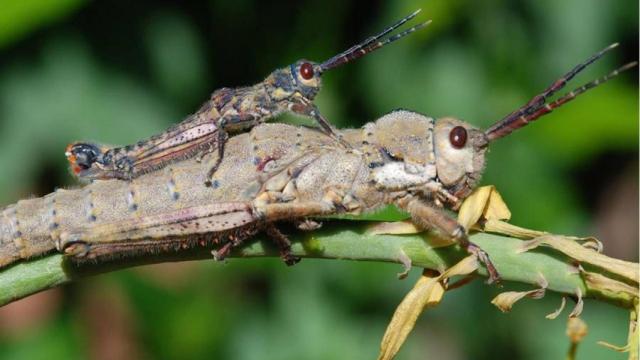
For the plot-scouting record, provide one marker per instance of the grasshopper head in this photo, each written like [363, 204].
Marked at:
[306, 77]
[421, 152]
[459, 150]
[298, 82]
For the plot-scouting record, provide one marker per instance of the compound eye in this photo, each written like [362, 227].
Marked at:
[306, 71]
[458, 137]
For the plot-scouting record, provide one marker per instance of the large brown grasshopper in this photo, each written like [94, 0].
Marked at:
[289, 89]
[274, 173]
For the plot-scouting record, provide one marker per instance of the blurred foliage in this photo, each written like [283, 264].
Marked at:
[118, 71]
[19, 18]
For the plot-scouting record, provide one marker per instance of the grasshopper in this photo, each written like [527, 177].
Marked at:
[413, 161]
[289, 89]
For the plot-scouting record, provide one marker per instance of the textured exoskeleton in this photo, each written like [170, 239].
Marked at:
[289, 89]
[404, 158]
[274, 173]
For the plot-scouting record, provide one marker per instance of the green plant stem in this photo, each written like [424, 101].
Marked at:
[337, 240]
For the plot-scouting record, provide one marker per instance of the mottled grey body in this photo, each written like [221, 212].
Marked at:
[275, 172]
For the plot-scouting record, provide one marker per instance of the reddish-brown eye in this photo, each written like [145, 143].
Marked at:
[306, 71]
[458, 137]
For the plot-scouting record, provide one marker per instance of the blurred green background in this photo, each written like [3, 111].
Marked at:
[117, 71]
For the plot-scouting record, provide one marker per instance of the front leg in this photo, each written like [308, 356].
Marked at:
[310, 110]
[429, 217]
[443, 196]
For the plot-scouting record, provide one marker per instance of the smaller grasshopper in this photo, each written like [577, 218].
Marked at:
[289, 89]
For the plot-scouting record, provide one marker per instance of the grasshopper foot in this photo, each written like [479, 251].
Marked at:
[430, 217]
[284, 245]
[494, 275]
[289, 259]
[483, 257]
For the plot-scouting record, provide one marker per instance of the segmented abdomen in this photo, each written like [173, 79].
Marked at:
[29, 228]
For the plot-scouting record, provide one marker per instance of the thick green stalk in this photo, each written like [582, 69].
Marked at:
[338, 240]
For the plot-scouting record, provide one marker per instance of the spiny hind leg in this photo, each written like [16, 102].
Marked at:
[429, 217]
